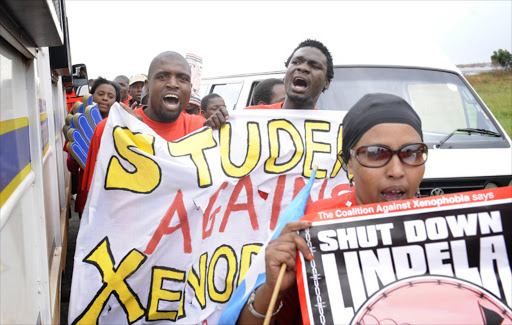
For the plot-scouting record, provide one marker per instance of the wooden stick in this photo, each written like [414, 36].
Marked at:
[272, 304]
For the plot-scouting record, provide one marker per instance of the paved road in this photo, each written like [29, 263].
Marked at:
[74, 223]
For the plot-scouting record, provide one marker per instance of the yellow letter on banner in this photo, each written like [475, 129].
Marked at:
[337, 166]
[228, 254]
[253, 150]
[197, 282]
[114, 281]
[274, 127]
[245, 261]
[194, 146]
[146, 175]
[312, 146]
[159, 293]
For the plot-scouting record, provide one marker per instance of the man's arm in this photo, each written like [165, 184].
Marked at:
[217, 120]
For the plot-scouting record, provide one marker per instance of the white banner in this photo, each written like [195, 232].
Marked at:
[170, 228]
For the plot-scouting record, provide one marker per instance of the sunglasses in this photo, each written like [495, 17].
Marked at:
[414, 154]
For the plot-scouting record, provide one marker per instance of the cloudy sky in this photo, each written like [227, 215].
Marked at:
[121, 37]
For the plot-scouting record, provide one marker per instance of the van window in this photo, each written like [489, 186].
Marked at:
[229, 92]
[203, 89]
[441, 99]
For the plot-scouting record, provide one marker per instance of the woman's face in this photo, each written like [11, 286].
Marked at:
[393, 181]
[104, 96]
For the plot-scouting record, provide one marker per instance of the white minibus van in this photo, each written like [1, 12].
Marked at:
[469, 150]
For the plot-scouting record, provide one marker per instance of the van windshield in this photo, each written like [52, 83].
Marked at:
[442, 100]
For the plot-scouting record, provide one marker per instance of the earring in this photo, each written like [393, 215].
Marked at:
[418, 193]
[348, 200]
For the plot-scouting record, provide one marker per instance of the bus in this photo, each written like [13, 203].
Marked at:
[35, 188]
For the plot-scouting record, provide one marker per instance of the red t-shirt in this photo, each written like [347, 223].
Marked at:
[271, 106]
[183, 125]
[127, 101]
[71, 99]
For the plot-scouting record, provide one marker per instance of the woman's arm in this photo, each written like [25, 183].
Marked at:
[281, 250]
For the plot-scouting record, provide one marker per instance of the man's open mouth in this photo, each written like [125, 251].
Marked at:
[299, 84]
[171, 100]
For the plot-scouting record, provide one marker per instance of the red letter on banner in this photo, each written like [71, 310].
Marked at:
[177, 206]
[249, 206]
[276, 204]
[211, 218]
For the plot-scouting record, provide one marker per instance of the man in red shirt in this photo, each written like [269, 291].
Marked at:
[309, 73]
[169, 93]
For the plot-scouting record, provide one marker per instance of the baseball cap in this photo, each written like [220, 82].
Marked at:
[137, 78]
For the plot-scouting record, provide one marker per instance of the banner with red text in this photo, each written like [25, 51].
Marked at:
[170, 228]
[436, 260]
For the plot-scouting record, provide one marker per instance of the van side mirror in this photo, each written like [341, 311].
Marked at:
[80, 79]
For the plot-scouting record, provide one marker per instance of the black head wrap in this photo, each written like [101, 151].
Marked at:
[373, 109]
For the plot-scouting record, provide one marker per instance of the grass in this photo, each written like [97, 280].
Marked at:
[495, 89]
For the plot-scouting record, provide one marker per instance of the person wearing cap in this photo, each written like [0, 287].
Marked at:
[384, 157]
[136, 85]
[194, 105]
[309, 73]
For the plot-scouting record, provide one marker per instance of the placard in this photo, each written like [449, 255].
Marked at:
[436, 260]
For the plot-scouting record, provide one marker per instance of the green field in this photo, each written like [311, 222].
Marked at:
[495, 89]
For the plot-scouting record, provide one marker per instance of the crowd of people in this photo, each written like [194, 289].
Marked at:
[383, 153]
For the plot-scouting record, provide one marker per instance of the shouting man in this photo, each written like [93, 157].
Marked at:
[309, 73]
[169, 93]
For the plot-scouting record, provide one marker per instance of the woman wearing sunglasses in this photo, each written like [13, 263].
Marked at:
[384, 157]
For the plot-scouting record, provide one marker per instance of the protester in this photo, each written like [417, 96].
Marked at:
[169, 93]
[309, 73]
[71, 97]
[194, 105]
[123, 83]
[269, 91]
[212, 103]
[383, 156]
[135, 88]
[104, 93]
